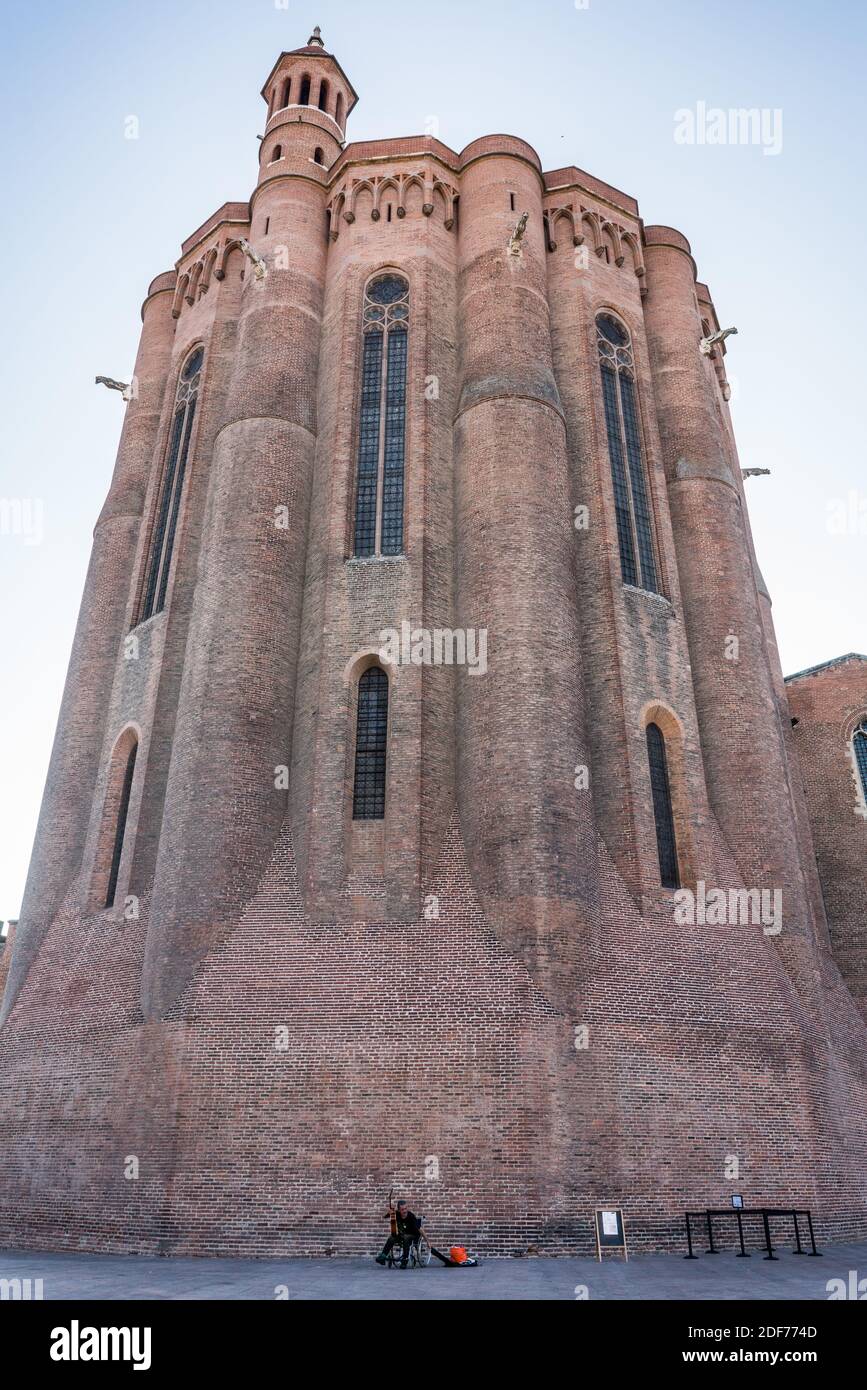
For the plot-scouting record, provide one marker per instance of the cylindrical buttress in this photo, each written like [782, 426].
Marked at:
[67, 800]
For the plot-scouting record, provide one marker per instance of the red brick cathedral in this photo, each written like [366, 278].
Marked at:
[427, 809]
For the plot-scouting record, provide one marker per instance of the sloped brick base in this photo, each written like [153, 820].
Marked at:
[309, 1068]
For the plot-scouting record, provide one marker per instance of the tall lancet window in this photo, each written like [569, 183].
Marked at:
[171, 489]
[859, 744]
[631, 503]
[120, 825]
[662, 813]
[371, 735]
[382, 422]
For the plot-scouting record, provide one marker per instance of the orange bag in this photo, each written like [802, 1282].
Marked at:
[458, 1254]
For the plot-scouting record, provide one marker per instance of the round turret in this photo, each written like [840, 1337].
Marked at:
[309, 98]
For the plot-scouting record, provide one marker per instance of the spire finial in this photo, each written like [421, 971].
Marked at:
[315, 40]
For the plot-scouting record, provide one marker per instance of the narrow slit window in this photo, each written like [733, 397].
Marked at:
[120, 827]
[165, 521]
[371, 735]
[379, 493]
[628, 475]
[662, 813]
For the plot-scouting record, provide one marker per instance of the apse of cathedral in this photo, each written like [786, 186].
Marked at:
[425, 751]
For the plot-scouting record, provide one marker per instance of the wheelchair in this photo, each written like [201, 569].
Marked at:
[419, 1253]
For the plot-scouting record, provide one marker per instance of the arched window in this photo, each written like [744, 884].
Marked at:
[371, 733]
[169, 500]
[318, 156]
[120, 825]
[632, 508]
[859, 745]
[304, 98]
[277, 153]
[287, 88]
[382, 426]
[338, 110]
[661, 791]
[323, 96]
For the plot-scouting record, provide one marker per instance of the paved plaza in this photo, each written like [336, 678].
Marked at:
[82, 1276]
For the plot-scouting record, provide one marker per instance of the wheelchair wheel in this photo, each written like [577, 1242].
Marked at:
[422, 1253]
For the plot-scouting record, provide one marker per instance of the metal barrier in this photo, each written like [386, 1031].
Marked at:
[765, 1213]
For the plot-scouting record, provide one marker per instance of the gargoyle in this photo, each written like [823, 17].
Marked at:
[518, 235]
[707, 345]
[260, 270]
[124, 387]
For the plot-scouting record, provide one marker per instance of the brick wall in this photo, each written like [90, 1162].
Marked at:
[403, 1043]
[275, 1034]
[828, 704]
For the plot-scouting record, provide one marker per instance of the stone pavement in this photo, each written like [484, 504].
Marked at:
[82, 1276]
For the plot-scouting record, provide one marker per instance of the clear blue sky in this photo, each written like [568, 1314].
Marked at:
[92, 217]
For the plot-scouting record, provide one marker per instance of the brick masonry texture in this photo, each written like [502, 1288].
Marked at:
[827, 705]
[271, 1028]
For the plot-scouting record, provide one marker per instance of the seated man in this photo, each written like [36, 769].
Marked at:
[406, 1231]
